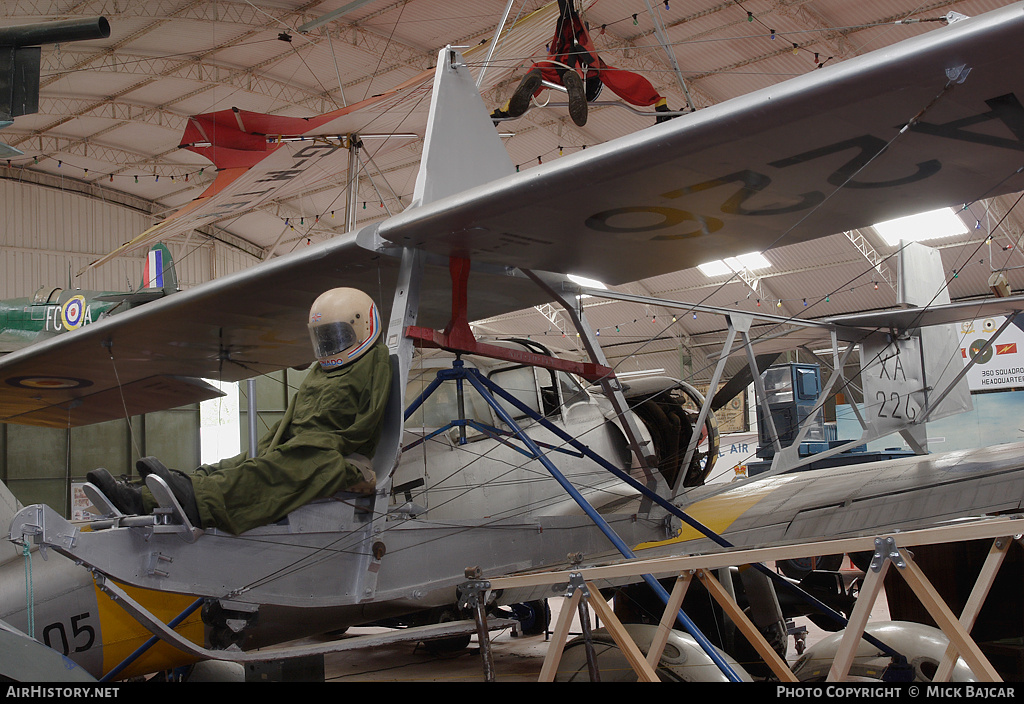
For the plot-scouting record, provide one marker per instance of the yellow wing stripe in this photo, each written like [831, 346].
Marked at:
[718, 512]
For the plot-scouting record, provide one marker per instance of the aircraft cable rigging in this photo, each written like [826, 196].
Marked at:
[951, 81]
[380, 60]
[109, 345]
[327, 551]
[874, 363]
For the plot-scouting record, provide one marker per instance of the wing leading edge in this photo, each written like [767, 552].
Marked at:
[249, 323]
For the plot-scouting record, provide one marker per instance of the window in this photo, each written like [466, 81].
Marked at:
[220, 424]
[572, 392]
[442, 406]
[521, 383]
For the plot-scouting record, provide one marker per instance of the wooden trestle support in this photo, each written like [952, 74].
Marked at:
[890, 550]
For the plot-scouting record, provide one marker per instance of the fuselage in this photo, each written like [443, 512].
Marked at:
[456, 501]
[52, 311]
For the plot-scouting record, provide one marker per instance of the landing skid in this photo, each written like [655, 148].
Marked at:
[167, 633]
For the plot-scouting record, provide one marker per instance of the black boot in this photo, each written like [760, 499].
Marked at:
[126, 498]
[520, 100]
[179, 484]
[577, 97]
[662, 118]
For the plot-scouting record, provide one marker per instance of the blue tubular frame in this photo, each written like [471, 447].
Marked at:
[689, 520]
[485, 387]
[488, 430]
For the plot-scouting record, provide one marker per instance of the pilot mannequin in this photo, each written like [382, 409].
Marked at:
[323, 444]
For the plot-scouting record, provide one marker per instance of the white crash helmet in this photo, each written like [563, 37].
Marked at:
[343, 324]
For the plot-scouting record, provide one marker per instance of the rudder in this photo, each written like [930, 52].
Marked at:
[158, 271]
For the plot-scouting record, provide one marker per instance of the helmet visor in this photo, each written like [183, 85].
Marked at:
[331, 338]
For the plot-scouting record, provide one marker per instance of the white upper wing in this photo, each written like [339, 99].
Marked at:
[880, 136]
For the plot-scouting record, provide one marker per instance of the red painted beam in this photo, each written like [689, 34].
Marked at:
[426, 337]
[458, 337]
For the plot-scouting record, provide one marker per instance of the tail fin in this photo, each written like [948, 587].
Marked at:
[906, 374]
[462, 148]
[940, 344]
[159, 269]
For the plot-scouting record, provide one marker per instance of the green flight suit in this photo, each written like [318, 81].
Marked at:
[334, 414]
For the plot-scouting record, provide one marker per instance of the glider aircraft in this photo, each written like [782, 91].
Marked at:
[931, 121]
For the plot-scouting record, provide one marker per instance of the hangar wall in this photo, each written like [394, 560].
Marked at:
[49, 234]
[50, 229]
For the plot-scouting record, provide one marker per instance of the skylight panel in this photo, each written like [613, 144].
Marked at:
[932, 225]
[585, 282]
[750, 261]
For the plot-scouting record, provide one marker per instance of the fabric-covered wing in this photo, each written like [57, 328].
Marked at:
[816, 155]
[236, 327]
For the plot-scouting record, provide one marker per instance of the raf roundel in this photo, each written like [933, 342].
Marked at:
[48, 383]
[72, 313]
